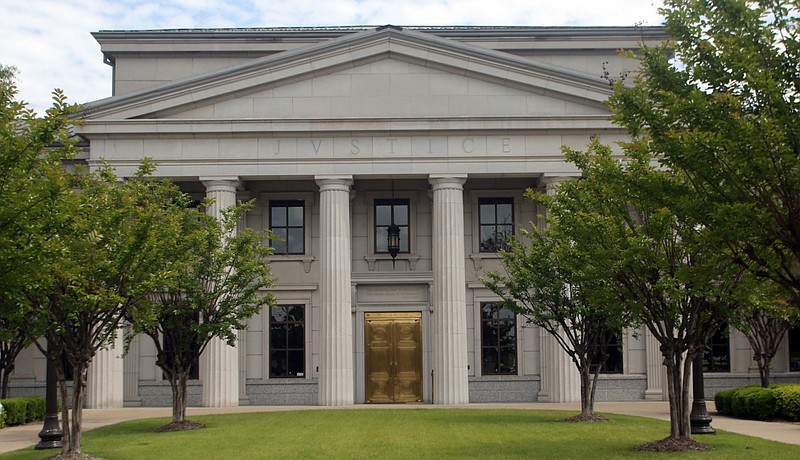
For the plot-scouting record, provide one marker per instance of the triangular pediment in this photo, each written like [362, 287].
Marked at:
[381, 73]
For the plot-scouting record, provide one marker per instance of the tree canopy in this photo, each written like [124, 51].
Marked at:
[720, 104]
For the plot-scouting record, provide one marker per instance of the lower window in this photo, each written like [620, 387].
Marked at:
[498, 340]
[717, 355]
[613, 363]
[287, 356]
[793, 337]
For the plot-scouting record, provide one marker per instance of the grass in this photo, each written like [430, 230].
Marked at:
[404, 434]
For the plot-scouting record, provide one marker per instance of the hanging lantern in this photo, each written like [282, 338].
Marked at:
[393, 240]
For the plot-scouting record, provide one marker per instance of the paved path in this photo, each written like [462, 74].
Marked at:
[18, 437]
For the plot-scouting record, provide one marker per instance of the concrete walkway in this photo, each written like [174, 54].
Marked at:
[19, 437]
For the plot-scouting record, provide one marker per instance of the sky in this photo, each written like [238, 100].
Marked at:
[50, 43]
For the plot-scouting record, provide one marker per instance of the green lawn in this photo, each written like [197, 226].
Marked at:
[404, 433]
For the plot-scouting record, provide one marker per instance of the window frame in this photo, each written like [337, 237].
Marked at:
[720, 340]
[308, 203]
[376, 228]
[616, 348]
[369, 203]
[520, 209]
[287, 204]
[287, 349]
[793, 338]
[494, 201]
[497, 346]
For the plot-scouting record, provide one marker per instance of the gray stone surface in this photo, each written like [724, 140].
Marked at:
[503, 389]
[282, 392]
[612, 387]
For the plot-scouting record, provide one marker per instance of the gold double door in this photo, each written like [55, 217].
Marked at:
[393, 357]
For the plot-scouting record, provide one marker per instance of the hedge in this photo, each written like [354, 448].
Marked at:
[19, 411]
[755, 402]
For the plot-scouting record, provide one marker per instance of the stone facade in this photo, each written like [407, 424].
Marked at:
[330, 129]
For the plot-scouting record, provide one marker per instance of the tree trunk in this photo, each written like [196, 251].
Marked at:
[6, 374]
[764, 363]
[65, 433]
[78, 395]
[178, 382]
[678, 391]
[587, 403]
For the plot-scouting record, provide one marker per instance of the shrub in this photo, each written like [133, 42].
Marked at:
[787, 398]
[760, 404]
[738, 408]
[19, 411]
[722, 400]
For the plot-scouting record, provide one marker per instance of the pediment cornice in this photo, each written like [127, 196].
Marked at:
[350, 51]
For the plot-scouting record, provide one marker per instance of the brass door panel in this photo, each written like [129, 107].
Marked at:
[393, 357]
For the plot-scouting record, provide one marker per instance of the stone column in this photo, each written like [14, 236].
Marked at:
[656, 371]
[219, 363]
[336, 370]
[131, 374]
[450, 378]
[104, 386]
[560, 379]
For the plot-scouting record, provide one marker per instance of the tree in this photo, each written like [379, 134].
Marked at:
[544, 281]
[219, 285]
[113, 243]
[31, 181]
[728, 119]
[623, 217]
[764, 320]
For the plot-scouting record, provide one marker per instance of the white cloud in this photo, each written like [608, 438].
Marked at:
[50, 43]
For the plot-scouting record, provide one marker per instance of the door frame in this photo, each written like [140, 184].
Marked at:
[360, 344]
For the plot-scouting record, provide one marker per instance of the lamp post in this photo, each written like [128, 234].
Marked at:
[699, 419]
[51, 434]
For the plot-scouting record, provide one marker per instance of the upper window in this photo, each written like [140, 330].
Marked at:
[496, 223]
[287, 341]
[794, 349]
[498, 340]
[386, 213]
[287, 222]
[717, 355]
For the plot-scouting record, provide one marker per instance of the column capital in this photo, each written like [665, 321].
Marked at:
[333, 182]
[551, 183]
[222, 184]
[447, 181]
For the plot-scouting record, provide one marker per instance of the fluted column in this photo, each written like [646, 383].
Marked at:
[219, 363]
[656, 371]
[104, 386]
[560, 379]
[131, 374]
[450, 379]
[336, 370]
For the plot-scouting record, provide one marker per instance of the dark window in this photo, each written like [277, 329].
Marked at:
[287, 357]
[66, 366]
[386, 213]
[496, 223]
[179, 334]
[717, 355]
[287, 222]
[614, 359]
[498, 340]
[794, 349]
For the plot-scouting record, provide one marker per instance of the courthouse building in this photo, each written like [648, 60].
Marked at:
[344, 136]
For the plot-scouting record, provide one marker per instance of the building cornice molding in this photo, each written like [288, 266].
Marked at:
[347, 52]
